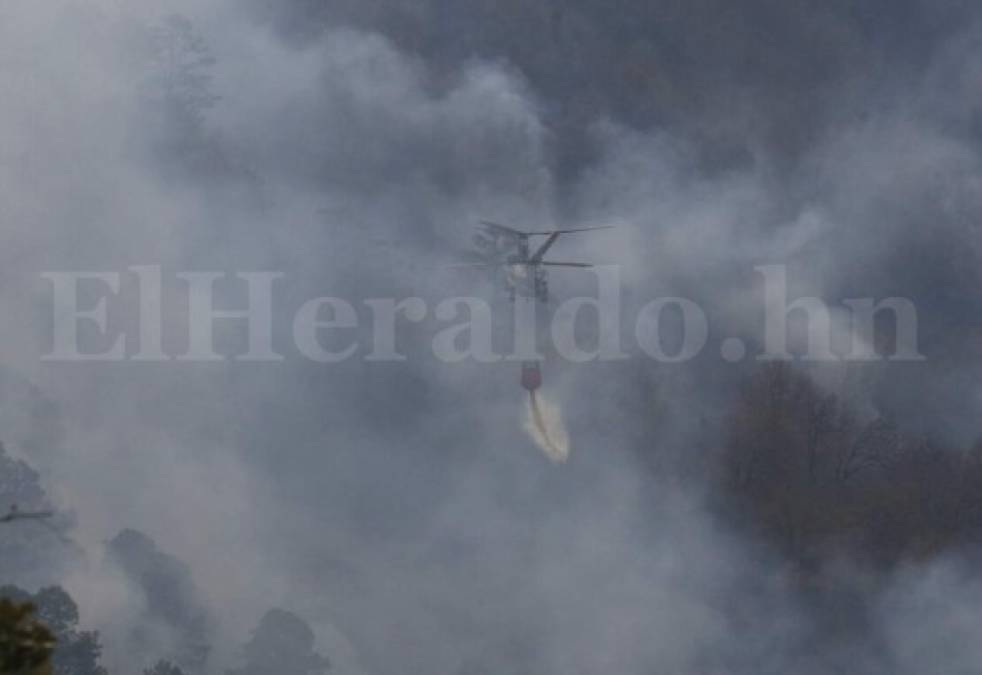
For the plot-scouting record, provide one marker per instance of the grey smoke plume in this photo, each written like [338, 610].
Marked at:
[353, 145]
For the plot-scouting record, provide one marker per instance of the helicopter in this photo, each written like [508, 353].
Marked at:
[501, 246]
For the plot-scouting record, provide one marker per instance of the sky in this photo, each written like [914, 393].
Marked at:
[352, 147]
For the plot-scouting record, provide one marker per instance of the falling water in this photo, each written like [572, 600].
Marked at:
[544, 423]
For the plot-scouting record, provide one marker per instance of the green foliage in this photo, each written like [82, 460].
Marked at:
[76, 652]
[26, 644]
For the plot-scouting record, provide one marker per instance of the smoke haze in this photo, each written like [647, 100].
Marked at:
[400, 507]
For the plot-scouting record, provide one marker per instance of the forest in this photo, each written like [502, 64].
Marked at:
[716, 515]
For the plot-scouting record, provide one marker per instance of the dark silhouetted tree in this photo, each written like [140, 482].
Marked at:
[170, 597]
[177, 94]
[32, 552]
[180, 79]
[163, 668]
[282, 644]
[802, 469]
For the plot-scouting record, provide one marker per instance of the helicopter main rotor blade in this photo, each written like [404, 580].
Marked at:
[459, 266]
[543, 233]
[546, 263]
[571, 231]
[504, 228]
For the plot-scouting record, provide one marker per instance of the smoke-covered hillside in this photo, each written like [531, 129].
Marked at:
[327, 490]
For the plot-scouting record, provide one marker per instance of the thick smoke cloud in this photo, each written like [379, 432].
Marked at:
[399, 507]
